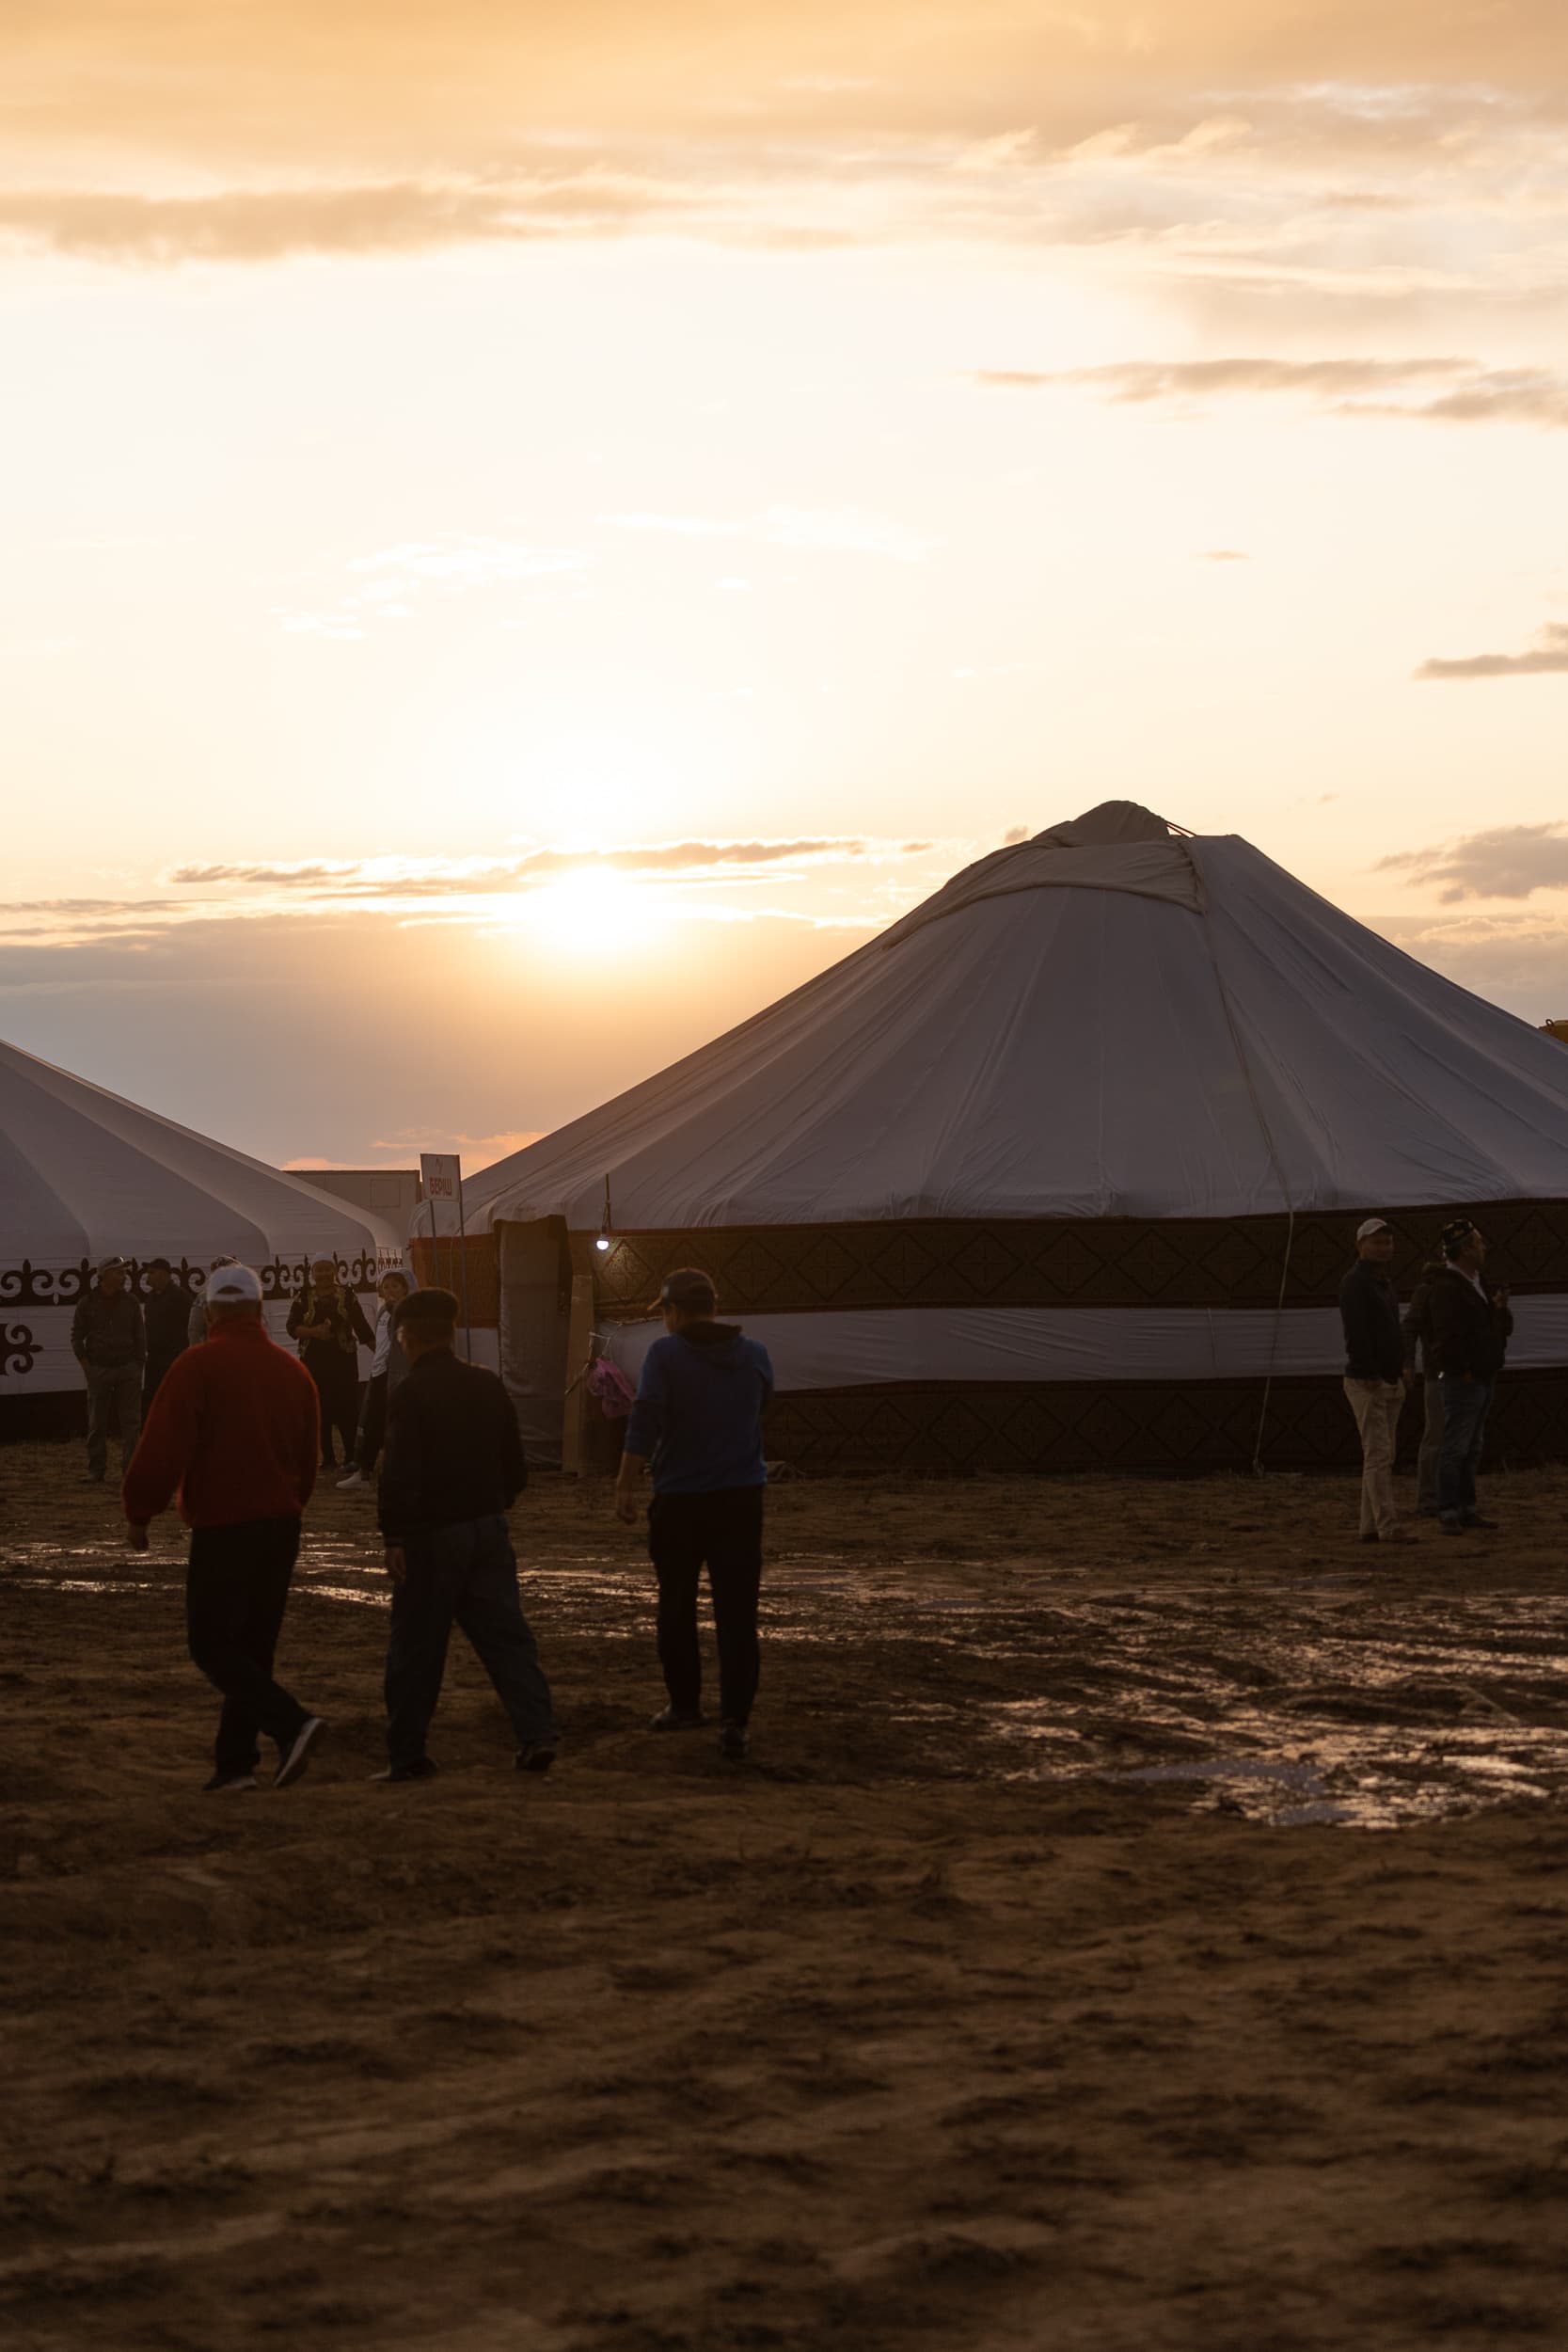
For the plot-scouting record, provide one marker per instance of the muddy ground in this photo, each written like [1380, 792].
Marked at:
[1140, 1926]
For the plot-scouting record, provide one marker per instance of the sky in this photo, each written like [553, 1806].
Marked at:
[532, 531]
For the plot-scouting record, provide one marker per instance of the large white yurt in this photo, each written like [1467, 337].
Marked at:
[1061, 1170]
[86, 1175]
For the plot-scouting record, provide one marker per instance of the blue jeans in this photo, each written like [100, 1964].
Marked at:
[467, 1575]
[1464, 1408]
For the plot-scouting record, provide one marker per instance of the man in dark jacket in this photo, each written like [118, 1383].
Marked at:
[1375, 1375]
[1418, 1365]
[698, 1422]
[452, 1467]
[329, 1324]
[167, 1315]
[108, 1339]
[1470, 1326]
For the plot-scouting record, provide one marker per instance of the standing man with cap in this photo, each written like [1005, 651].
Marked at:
[452, 1467]
[1470, 1326]
[233, 1432]
[108, 1339]
[1375, 1375]
[167, 1314]
[698, 1421]
[329, 1324]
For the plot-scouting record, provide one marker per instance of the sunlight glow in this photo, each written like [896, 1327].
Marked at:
[598, 913]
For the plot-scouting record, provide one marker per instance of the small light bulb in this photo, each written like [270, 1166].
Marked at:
[603, 1242]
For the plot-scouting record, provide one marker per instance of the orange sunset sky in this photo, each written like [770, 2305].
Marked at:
[531, 529]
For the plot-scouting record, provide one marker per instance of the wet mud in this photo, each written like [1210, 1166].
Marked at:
[1140, 1925]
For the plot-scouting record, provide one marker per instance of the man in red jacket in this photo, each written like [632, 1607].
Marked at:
[234, 1427]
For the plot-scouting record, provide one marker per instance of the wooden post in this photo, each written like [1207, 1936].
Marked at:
[579, 1339]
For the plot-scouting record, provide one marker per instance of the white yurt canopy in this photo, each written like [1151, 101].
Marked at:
[1111, 1020]
[86, 1175]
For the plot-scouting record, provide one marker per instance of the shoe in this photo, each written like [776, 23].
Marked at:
[92, 1478]
[1397, 1536]
[1476, 1519]
[422, 1769]
[1371, 1537]
[679, 1719]
[1451, 1527]
[536, 1757]
[355, 1478]
[733, 1741]
[227, 1784]
[291, 1765]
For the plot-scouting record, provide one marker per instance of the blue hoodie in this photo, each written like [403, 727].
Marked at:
[699, 1410]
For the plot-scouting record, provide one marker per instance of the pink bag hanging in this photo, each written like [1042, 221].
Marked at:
[608, 1383]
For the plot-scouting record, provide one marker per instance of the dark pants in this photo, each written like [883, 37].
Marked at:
[372, 1423]
[114, 1397]
[236, 1591]
[1464, 1409]
[464, 1574]
[152, 1381]
[723, 1532]
[337, 1378]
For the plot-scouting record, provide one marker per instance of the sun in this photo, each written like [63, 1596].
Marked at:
[592, 912]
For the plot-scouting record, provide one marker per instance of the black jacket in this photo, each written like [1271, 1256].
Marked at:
[1469, 1333]
[167, 1316]
[1369, 1310]
[108, 1333]
[454, 1451]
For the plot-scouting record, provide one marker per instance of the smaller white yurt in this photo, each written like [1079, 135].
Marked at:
[86, 1175]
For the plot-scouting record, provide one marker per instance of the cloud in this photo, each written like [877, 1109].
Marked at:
[390, 581]
[1506, 862]
[1429, 390]
[838, 529]
[398, 877]
[1223, 555]
[1546, 657]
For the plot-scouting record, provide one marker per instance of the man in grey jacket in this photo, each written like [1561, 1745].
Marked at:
[108, 1339]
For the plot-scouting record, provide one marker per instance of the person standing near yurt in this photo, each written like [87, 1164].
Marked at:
[1417, 1343]
[108, 1339]
[388, 1366]
[232, 1434]
[167, 1316]
[698, 1422]
[329, 1324]
[1470, 1331]
[1375, 1375]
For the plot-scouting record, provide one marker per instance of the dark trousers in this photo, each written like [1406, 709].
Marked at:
[114, 1395]
[1464, 1408]
[723, 1532]
[465, 1575]
[152, 1379]
[372, 1423]
[236, 1591]
[337, 1379]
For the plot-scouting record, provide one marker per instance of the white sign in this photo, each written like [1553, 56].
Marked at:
[441, 1177]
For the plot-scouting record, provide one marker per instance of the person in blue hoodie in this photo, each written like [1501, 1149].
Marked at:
[697, 1422]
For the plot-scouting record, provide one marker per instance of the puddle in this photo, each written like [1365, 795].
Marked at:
[1294, 1702]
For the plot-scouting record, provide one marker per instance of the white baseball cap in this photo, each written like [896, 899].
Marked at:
[1372, 1225]
[234, 1282]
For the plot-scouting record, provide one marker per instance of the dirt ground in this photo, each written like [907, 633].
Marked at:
[1140, 1926]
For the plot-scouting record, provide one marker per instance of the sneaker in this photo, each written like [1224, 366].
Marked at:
[1370, 1536]
[421, 1769]
[733, 1741]
[1477, 1520]
[537, 1756]
[355, 1478]
[1450, 1527]
[227, 1784]
[291, 1765]
[679, 1719]
[1397, 1536]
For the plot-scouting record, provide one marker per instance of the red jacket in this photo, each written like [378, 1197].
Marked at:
[235, 1426]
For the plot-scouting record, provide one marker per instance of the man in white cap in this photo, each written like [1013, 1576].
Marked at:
[234, 1432]
[1375, 1375]
[108, 1339]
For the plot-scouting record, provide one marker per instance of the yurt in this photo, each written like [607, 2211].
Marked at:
[1061, 1170]
[86, 1175]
